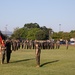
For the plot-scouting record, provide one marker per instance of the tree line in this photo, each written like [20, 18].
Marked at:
[33, 31]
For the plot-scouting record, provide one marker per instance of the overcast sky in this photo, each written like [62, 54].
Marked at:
[55, 14]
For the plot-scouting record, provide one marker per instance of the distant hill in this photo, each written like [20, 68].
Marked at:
[8, 33]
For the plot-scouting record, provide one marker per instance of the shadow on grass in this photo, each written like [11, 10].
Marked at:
[22, 60]
[48, 63]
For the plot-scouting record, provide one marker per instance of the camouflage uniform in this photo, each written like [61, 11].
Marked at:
[37, 52]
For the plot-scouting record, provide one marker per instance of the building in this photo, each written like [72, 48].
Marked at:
[8, 33]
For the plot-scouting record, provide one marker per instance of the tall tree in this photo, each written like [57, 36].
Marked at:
[32, 31]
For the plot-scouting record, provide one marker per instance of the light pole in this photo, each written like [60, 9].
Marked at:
[59, 27]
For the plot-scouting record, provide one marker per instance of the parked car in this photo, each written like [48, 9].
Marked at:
[62, 42]
[72, 42]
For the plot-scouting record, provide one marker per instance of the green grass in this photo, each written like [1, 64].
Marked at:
[53, 62]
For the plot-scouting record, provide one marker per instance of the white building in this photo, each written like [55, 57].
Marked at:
[8, 33]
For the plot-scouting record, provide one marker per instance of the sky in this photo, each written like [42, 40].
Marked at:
[56, 14]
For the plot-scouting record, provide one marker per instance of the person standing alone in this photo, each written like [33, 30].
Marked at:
[37, 53]
[67, 44]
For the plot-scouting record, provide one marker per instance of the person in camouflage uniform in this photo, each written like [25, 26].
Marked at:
[37, 52]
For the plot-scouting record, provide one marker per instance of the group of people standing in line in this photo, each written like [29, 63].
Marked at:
[30, 44]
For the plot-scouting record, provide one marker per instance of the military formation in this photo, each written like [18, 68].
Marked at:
[30, 44]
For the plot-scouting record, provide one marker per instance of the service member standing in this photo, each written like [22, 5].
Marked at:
[8, 50]
[67, 44]
[37, 53]
[57, 44]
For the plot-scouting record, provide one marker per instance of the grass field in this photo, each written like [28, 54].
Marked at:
[53, 62]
